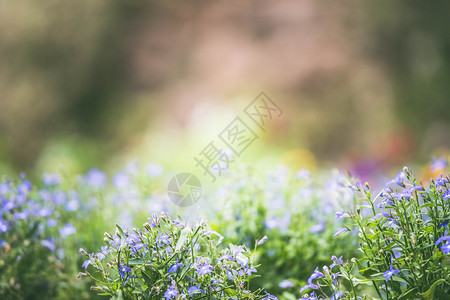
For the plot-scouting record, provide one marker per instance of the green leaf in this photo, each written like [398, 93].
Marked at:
[429, 295]
[183, 237]
[406, 294]
[120, 230]
[136, 261]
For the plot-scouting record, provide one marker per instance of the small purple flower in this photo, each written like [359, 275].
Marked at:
[239, 249]
[317, 274]
[414, 187]
[334, 277]
[263, 240]
[444, 224]
[67, 230]
[317, 228]
[194, 290]
[226, 256]
[95, 178]
[123, 270]
[405, 195]
[51, 179]
[154, 170]
[340, 230]
[440, 181]
[5, 187]
[399, 178]
[51, 223]
[174, 267]
[204, 269]
[24, 188]
[446, 195]
[390, 272]
[121, 180]
[342, 214]
[269, 297]
[23, 215]
[285, 284]
[438, 164]
[48, 244]
[248, 271]
[171, 292]
[336, 261]
[44, 212]
[89, 261]
[445, 247]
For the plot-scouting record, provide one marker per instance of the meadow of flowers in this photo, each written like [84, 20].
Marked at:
[280, 235]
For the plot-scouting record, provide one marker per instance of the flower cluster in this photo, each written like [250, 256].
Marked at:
[296, 211]
[172, 260]
[33, 225]
[403, 236]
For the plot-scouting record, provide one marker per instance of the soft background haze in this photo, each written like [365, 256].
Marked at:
[364, 85]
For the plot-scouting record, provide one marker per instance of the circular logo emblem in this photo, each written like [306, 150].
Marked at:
[184, 189]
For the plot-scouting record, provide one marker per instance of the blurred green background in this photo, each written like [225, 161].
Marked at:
[364, 85]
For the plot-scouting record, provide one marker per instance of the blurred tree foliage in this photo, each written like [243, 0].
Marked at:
[412, 40]
[62, 67]
[65, 70]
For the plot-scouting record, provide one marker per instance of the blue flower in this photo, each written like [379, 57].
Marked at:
[438, 164]
[171, 292]
[444, 224]
[121, 180]
[23, 215]
[51, 179]
[440, 181]
[226, 256]
[390, 272]
[268, 296]
[239, 249]
[95, 178]
[5, 187]
[312, 296]
[24, 188]
[123, 270]
[334, 277]
[445, 248]
[154, 170]
[415, 188]
[317, 274]
[67, 230]
[342, 214]
[285, 284]
[400, 196]
[317, 228]
[336, 261]
[399, 178]
[88, 262]
[340, 230]
[48, 244]
[174, 267]
[194, 290]
[204, 269]
[263, 240]
[247, 271]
